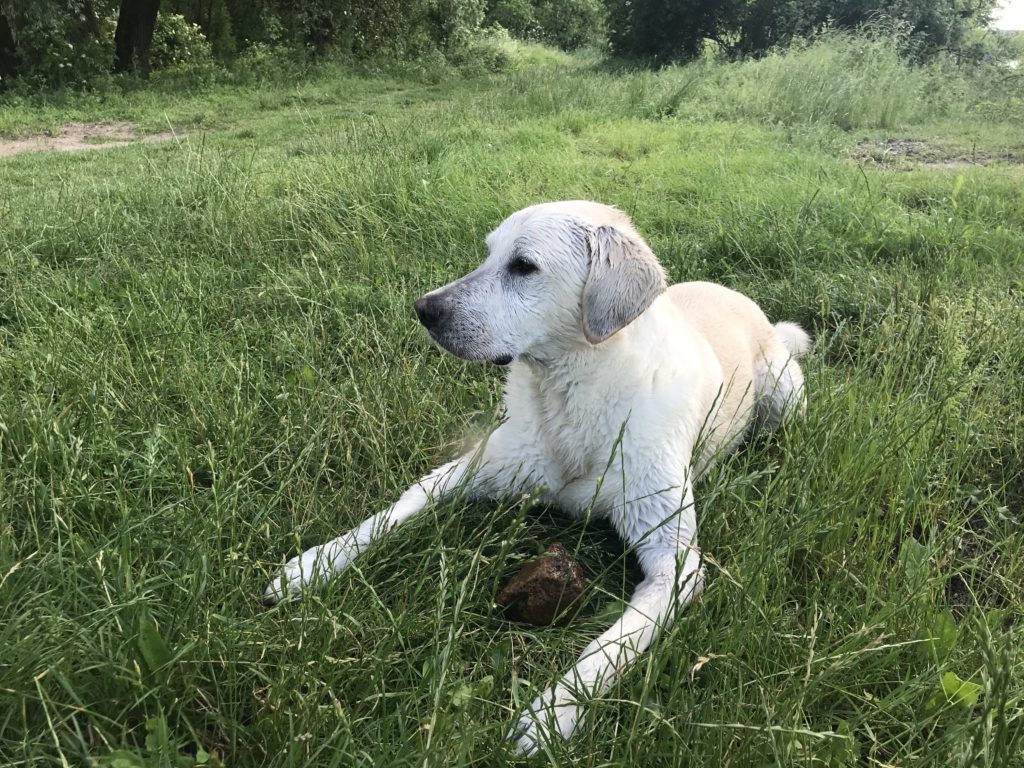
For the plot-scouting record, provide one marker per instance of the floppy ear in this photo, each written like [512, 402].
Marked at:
[625, 278]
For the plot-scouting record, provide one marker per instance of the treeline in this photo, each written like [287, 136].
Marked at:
[56, 43]
[671, 30]
[72, 42]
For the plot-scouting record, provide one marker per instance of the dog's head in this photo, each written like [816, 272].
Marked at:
[557, 276]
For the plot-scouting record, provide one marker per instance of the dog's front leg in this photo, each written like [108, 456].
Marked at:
[673, 577]
[317, 565]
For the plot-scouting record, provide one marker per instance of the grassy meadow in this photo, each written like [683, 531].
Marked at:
[209, 361]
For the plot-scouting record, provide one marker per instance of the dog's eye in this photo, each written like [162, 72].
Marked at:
[521, 267]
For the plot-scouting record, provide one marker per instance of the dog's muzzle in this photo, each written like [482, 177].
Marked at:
[437, 316]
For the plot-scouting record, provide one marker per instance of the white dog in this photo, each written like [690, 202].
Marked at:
[620, 392]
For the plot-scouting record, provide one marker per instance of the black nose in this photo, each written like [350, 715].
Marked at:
[430, 311]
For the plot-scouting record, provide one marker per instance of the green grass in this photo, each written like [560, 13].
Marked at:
[208, 361]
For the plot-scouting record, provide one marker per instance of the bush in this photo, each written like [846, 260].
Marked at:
[176, 43]
[395, 28]
[61, 44]
[489, 51]
[570, 24]
[662, 31]
[454, 22]
[268, 63]
[515, 16]
[565, 24]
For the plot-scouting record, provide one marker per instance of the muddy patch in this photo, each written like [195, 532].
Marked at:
[909, 154]
[80, 137]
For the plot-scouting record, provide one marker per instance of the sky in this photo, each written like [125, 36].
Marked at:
[1009, 15]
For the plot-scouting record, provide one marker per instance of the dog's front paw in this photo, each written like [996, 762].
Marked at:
[287, 584]
[312, 567]
[554, 714]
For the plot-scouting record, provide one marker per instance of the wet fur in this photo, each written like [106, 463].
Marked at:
[621, 391]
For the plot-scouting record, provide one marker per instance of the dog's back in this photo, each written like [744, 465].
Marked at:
[750, 350]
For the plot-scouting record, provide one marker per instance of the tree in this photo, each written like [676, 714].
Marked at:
[673, 30]
[662, 31]
[934, 24]
[214, 18]
[52, 43]
[133, 37]
[567, 24]
[8, 50]
[764, 24]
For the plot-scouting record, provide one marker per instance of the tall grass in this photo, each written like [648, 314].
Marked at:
[850, 80]
[839, 79]
[846, 80]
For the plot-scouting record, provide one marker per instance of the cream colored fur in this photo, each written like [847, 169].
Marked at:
[620, 393]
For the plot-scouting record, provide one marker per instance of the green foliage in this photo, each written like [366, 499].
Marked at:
[215, 20]
[454, 22]
[161, 750]
[515, 16]
[1013, 43]
[489, 51]
[940, 637]
[61, 43]
[176, 43]
[268, 63]
[666, 30]
[569, 24]
[565, 24]
[1002, 109]
[154, 652]
[68, 42]
[399, 28]
[494, 50]
[676, 30]
[850, 80]
[960, 693]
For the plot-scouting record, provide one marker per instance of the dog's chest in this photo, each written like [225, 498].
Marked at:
[575, 437]
[579, 432]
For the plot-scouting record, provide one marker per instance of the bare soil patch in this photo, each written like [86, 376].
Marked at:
[79, 137]
[908, 154]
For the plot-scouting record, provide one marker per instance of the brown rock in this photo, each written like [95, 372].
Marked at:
[546, 589]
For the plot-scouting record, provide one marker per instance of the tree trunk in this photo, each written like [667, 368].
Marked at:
[8, 51]
[144, 33]
[124, 50]
[133, 37]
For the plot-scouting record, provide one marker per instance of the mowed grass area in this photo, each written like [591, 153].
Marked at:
[209, 361]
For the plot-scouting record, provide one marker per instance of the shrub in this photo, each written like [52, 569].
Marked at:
[395, 28]
[454, 22]
[570, 24]
[515, 16]
[268, 63]
[662, 31]
[489, 51]
[566, 24]
[177, 43]
[61, 44]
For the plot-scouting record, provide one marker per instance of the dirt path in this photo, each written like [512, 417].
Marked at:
[79, 137]
[908, 154]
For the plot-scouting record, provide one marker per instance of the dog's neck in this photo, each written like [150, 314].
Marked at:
[574, 361]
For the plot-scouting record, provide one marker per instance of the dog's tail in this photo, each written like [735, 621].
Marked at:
[793, 338]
